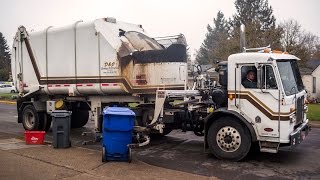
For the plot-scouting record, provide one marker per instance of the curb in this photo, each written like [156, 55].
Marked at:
[314, 124]
[8, 102]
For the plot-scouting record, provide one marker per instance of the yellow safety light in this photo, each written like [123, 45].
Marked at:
[277, 52]
[267, 50]
[59, 104]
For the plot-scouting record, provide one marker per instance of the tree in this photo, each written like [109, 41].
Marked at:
[204, 54]
[296, 41]
[291, 33]
[316, 54]
[257, 16]
[4, 59]
[223, 38]
[212, 48]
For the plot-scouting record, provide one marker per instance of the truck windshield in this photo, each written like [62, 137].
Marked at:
[290, 76]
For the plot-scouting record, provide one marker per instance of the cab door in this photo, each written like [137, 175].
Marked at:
[260, 102]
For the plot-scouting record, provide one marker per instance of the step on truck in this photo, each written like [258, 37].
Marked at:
[87, 66]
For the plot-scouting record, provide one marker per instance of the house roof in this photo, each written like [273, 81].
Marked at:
[316, 68]
[305, 71]
[311, 66]
[313, 63]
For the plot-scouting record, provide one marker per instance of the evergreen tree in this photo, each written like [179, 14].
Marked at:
[257, 16]
[212, 48]
[204, 54]
[4, 59]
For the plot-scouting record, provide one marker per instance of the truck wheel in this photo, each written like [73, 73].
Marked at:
[46, 121]
[229, 139]
[30, 118]
[104, 153]
[79, 118]
[129, 155]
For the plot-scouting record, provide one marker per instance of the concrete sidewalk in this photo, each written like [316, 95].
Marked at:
[20, 161]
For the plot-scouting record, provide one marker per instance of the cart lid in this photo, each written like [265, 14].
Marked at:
[118, 111]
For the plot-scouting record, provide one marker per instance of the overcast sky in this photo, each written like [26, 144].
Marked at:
[158, 17]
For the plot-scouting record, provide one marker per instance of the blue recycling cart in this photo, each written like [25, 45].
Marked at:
[117, 127]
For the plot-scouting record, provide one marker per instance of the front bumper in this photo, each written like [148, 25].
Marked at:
[299, 134]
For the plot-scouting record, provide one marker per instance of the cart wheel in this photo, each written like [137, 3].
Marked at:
[130, 155]
[104, 152]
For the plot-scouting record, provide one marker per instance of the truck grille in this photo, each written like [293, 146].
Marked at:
[299, 110]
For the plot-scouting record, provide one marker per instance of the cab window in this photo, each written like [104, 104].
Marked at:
[268, 80]
[249, 76]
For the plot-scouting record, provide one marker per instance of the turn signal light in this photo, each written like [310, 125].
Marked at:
[231, 96]
[292, 109]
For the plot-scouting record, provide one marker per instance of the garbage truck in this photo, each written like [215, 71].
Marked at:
[86, 66]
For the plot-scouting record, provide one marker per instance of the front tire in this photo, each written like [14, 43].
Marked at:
[229, 139]
[30, 118]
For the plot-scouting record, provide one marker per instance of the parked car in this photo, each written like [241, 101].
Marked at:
[6, 88]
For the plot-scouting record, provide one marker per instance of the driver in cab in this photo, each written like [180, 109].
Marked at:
[249, 81]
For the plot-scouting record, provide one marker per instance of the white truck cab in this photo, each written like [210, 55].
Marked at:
[276, 106]
[268, 108]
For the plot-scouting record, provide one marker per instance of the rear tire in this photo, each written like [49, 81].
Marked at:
[79, 118]
[229, 139]
[12, 91]
[45, 121]
[129, 155]
[30, 118]
[104, 152]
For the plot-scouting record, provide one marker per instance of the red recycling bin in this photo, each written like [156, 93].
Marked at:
[34, 137]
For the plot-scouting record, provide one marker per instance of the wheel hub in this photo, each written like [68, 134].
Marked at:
[228, 139]
[29, 117]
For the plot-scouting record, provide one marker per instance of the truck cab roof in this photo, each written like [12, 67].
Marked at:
[252, 57]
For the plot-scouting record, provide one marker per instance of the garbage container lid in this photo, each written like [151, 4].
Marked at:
[118, 111]
[61, 113]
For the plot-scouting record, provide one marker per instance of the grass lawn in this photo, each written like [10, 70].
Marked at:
[7, 96]
[313, 112]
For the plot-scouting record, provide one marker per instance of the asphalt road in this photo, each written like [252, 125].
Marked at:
[184, 152]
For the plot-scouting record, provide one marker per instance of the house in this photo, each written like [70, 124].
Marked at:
[311, 82]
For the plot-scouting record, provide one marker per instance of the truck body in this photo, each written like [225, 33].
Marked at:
[87, 66]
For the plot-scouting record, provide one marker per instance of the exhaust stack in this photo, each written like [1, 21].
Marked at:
[242, 38]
